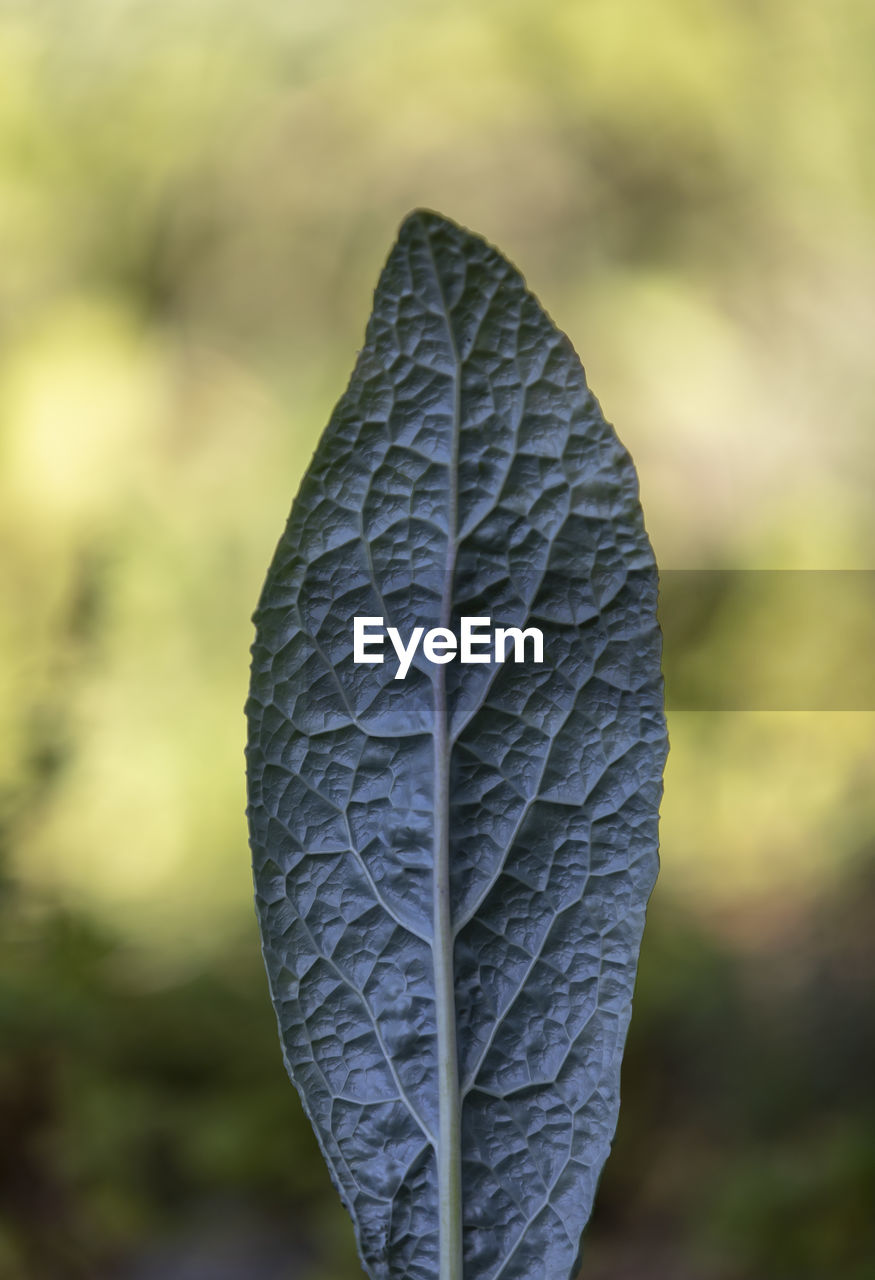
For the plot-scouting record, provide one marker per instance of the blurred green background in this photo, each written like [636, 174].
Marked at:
[196, 197]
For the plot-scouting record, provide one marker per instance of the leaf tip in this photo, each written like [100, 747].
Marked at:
[424, 222]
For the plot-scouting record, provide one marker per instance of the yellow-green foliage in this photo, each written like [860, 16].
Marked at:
[195, 197]
[193, 202]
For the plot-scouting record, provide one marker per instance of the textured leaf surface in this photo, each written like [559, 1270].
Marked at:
[452, 869]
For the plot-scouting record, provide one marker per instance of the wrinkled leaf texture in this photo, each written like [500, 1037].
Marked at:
[452, 870]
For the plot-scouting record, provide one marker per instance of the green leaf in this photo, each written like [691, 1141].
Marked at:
[452, 868]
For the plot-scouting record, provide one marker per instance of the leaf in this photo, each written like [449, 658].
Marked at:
[452, 869]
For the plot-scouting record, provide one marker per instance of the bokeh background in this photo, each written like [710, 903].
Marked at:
[196, 197]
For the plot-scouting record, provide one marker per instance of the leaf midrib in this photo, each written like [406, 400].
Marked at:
[449, 1145]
